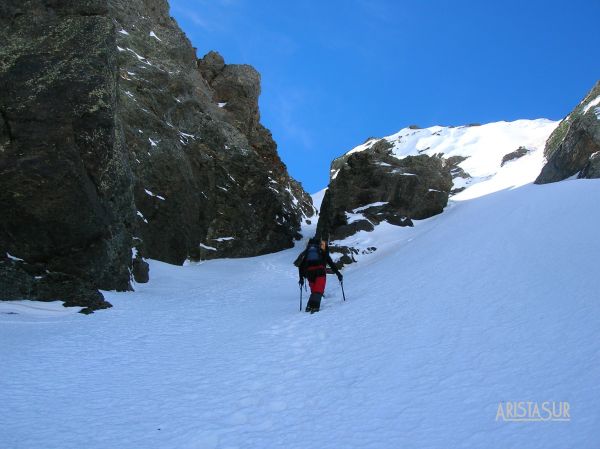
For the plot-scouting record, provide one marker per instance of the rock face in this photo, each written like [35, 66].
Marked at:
[114, 136]
[207, 178]
[592, 168]
[570, 148]
[517, 154]
[372, 186]
[65, 182]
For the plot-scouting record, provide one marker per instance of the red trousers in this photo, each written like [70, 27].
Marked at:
[318, 285]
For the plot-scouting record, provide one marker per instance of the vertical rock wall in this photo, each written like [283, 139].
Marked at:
[114, 136]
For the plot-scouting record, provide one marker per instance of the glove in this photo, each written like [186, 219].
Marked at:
[340, 277]
[301, 281]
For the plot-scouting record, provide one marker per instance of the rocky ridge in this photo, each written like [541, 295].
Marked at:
[117, 143]
[372, 186]
[574, 147]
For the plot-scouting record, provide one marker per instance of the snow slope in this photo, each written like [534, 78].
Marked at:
[494, 300]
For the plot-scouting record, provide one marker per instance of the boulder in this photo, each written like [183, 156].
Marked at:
[577, 137]
[140, 270]
[21, 280]
[513, 155]
[343, 231]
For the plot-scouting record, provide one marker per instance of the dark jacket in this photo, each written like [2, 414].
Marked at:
[315, 268]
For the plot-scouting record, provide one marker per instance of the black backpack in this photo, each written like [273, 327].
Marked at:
[313, 254]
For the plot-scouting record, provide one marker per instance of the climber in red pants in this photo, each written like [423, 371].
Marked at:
[313, 266]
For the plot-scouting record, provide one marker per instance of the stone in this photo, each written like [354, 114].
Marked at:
[573, 142]
[140, 270]
[24, 281]
[517, 154]
[343, 231]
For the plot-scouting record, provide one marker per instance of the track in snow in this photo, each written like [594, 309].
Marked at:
[494, 300]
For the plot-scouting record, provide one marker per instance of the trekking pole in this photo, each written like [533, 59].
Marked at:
[300, 297]
[343, 294]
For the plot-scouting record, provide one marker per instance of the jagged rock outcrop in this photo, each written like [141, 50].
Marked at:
[592, 168]
[456, 171]
[570, 149]
[208, 180]
[372, 185]
[113, 136]
[513, 155]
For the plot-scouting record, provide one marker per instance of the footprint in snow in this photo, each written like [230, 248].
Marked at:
[278, 406]
[238, 418]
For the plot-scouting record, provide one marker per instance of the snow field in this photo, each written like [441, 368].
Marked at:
[494, 300]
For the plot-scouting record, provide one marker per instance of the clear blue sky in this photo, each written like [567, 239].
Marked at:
[337, 72]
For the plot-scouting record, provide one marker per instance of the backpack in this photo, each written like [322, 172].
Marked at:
[313, 254]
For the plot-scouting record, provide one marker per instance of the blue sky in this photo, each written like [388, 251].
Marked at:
[337, 72]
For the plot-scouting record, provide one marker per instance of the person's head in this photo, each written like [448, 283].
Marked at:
[323, 245]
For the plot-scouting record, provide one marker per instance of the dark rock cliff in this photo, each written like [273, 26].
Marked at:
[573, 148]
[372, 186]
[66, 195]
[208, 180]
[114, 136]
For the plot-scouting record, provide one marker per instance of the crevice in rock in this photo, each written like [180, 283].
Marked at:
[7, 127]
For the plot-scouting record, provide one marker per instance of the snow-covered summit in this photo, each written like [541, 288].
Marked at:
[482, 146]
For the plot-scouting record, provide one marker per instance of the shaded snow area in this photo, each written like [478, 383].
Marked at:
[318, 199]
[494, 300]
[28, 310]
